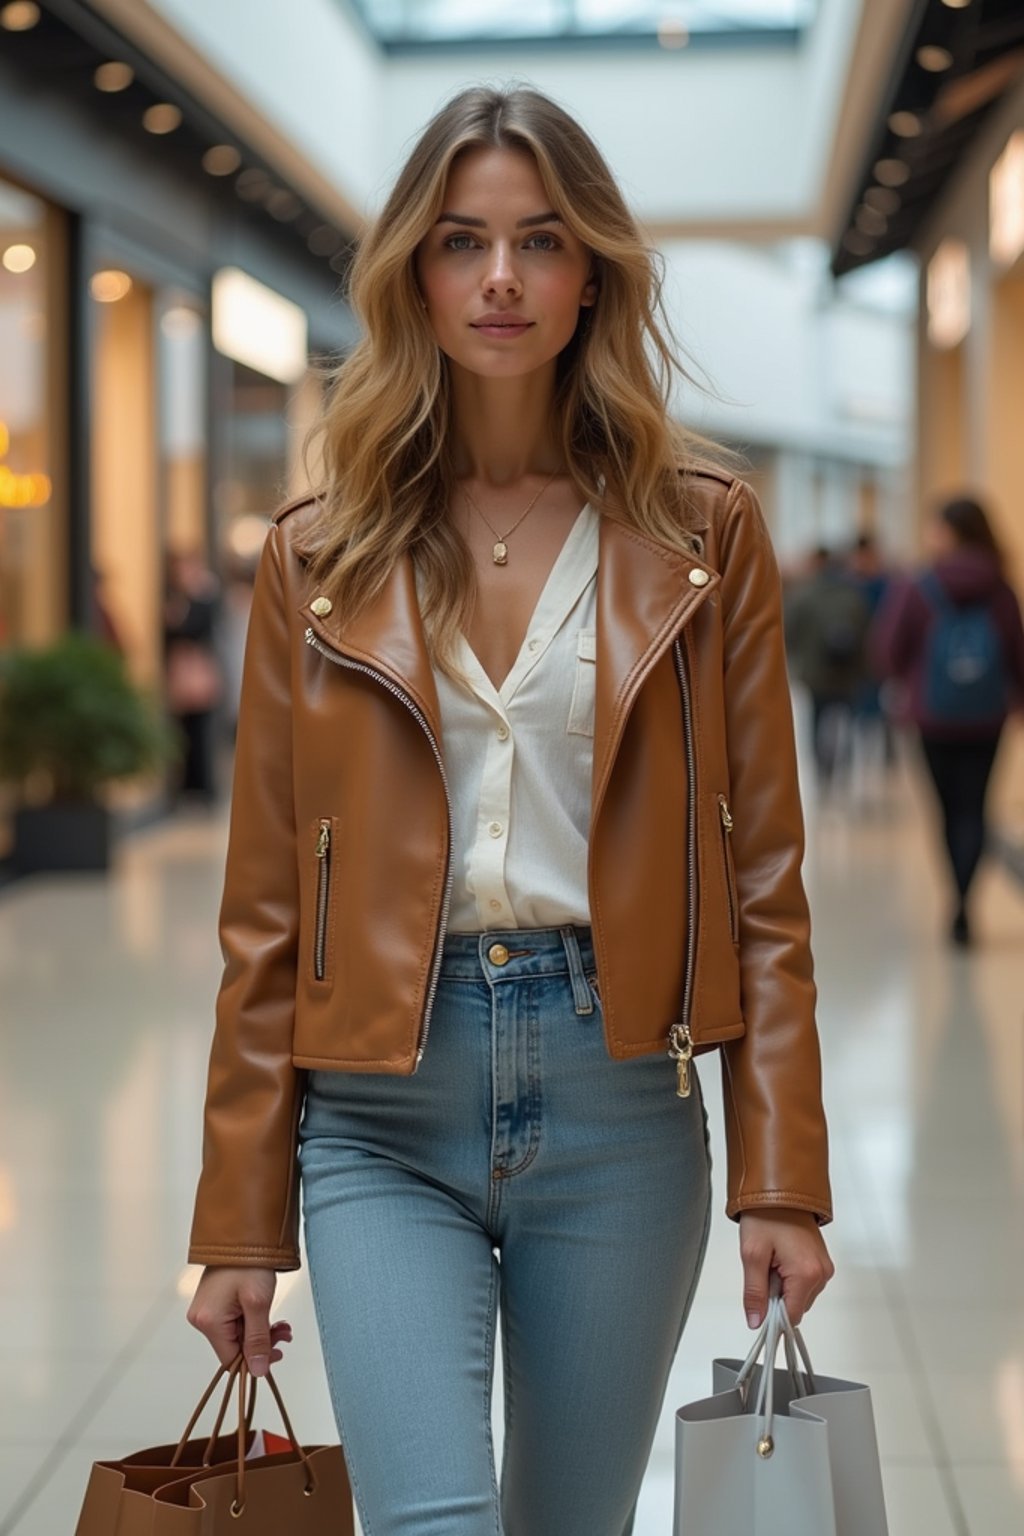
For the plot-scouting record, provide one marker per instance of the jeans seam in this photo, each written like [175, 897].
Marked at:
[354, 1481]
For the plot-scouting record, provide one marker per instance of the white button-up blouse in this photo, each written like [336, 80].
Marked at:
[519, 759]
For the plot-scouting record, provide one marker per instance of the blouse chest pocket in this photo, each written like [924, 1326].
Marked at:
[581, 706]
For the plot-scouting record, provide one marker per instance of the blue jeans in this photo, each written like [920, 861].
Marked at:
[520, 1163]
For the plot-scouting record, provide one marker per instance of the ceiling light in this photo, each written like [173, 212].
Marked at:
[933, 58]
[324, 241]
[283, 204]
[905, 125]
[892, 173]
[162, 118]
[221, 160]
[179, 321]
[19, 16]
[253, 185]
[109, 286]
[883, 198]
[113, 76]
[857, 243]
[870, 221]
[957, 5]
[19, 258]
[672, 32]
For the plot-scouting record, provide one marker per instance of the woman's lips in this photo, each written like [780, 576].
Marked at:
[504, 332]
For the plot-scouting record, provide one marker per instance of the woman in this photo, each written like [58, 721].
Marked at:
[954, 637]
[485, 896]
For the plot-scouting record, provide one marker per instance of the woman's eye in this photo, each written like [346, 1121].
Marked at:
[451, 246]
[552, 247]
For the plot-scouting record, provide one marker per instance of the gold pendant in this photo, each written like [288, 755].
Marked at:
[500, 553]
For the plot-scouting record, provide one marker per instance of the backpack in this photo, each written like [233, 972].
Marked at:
[965, 679]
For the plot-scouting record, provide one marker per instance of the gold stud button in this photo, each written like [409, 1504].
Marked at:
[498, 954]
[699, 578]
[321, 606]
[766, 1447]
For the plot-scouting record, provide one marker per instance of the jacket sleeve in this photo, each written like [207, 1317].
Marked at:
[776, 1133]
[246, 1208]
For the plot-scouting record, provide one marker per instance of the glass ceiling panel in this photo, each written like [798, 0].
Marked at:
[426, 21]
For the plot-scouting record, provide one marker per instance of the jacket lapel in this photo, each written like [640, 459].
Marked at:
[388, 635]
[644, 597]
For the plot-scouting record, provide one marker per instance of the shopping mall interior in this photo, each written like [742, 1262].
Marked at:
[835, 193]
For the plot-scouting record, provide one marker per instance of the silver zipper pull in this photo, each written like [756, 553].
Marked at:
[323, 840]
[681, 1050]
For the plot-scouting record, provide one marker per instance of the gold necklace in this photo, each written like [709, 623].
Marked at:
[500, 551]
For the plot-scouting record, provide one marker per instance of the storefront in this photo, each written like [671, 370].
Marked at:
[134, 421]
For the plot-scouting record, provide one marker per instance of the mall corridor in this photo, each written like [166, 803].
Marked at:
[106, 1020]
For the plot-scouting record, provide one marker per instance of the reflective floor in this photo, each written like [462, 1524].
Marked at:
[106, 1011]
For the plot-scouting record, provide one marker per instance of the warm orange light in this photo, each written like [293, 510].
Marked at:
[19, 258]
[19, 16]
[163, 118]
[5, 439]
[113, 76]
[23, 490]
[109, 286]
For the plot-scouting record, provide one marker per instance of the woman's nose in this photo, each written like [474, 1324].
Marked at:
[501, 273]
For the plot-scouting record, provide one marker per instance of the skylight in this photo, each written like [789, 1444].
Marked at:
[670, 21]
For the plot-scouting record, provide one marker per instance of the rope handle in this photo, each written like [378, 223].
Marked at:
[231, 1371]
[240, 1367]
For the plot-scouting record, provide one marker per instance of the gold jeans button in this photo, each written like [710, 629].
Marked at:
[498, 953]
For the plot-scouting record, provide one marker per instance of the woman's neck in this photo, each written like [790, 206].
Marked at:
[504, 429]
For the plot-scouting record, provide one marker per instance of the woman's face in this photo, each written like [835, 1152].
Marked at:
[500, 250]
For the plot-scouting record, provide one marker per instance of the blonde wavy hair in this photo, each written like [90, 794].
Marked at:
[383, 439]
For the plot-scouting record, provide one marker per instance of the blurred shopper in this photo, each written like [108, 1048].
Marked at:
[872, 579]
[953, 635]
[194, 679]
[827, 621]
[427, 697]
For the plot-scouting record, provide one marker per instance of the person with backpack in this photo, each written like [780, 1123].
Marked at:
[953, 636]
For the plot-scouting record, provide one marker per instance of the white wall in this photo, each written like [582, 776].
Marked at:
[800, 363]
[308, 66]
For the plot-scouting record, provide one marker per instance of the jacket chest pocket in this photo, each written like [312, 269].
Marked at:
[581, 705]
[322, 946]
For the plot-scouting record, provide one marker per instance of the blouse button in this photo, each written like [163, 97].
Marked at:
[494, 902]
[502, 732]
[533, 644]
[495, 829]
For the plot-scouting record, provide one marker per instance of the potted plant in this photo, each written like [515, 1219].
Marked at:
[71, 721]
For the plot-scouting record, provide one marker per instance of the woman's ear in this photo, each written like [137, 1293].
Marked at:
[589, 294]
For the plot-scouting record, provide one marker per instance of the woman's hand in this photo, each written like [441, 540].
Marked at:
[231, 1306]
[791, 1242]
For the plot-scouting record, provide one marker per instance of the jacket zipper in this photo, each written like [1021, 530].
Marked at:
[730, 879]
[358, 666]
[681, 1041]
[323, 879]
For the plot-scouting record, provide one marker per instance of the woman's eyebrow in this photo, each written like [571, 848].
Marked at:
[534, 218]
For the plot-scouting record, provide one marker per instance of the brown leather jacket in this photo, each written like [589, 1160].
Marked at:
[338, 866]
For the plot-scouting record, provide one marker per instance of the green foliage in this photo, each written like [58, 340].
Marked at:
[70, 714]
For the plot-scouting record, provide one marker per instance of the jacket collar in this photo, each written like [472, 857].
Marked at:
[644, 597]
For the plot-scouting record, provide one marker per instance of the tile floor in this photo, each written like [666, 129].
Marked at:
[106, 1011]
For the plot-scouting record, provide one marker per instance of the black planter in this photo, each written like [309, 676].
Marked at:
[66, 835]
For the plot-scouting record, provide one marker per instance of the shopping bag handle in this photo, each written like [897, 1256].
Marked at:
[240, 1369]
[232, 1371]
[776, 1326]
